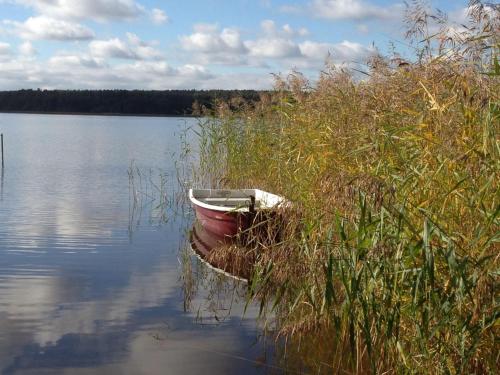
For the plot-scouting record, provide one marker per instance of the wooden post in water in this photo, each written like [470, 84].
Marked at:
[1, 141]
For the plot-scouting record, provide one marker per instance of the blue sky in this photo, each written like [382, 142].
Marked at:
[152, 44]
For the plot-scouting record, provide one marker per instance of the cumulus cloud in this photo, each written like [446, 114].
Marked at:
[134, 48]
[114, 48]
[458, 21]
[272, 48]
[270, 29]
[349, 9]
[194, 71]
[158, 68]
[27, 49]
[43, 27]
[212, 45]
[345, 9]
[341, 52]
[84, 71]
[99, 10]
[159, 16]
[4, 48]
[208, 38]
[69, 61]
[277, 44]
[227, 46]
[129, 62]
[159, 75]
[301, 32]
[462, 16]
[268, 26]
[5, 52]
[239, 81]
[17, 73]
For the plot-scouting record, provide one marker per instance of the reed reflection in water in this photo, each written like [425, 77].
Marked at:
[85, 289]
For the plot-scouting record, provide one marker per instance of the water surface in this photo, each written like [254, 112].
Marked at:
[93, 283]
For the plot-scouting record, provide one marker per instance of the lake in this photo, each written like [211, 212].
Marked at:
[95, 273]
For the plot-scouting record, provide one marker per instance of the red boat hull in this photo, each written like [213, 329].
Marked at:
[223, 223]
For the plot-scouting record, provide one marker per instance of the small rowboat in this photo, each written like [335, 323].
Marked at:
[228, 212]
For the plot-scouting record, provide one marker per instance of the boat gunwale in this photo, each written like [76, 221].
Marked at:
[258, 193]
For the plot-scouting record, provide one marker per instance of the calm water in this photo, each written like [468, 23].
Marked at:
[91, 283]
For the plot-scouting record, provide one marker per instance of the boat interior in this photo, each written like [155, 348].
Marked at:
[230, 202]
[236, 198]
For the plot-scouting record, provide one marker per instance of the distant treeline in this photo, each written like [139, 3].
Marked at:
[126, 102]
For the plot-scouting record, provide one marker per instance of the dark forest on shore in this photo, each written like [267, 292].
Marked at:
[123, 102]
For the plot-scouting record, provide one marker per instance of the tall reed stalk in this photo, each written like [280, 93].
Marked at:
[390, 252]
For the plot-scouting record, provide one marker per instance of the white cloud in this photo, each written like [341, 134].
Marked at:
[288, 30]
[239, 81]
[208, 44]
[207, 38]
[348, 9]
[27, 49]
[343, 52]
[88, 72]
[43, 27]
[272, 48]
[232, 39]
[112, 48]
[268, 26]
[345, 9]
[99, 10]
[270, 29]
[18, 74]
[458, 22]
[139, 69]
[159, 16]
[462, 16]
[134, 49]
[129, 62]
[160, 75]
[67, 61]
[4, 48]
[84, 70]
[275, 44]
[144, 50]
[194, 71]
[213, 46]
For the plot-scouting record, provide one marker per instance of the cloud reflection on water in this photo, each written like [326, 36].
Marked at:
[104, 331]
[77, 293]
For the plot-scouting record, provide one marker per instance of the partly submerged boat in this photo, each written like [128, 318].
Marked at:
[228, 212]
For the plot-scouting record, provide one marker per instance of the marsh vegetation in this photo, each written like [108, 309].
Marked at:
[389, 258]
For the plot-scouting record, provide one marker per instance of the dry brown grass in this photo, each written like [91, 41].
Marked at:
[393, 247]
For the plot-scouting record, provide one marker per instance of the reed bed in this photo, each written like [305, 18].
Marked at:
[389, 255]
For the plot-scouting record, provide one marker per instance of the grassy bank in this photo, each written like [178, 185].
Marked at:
[391, 252]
